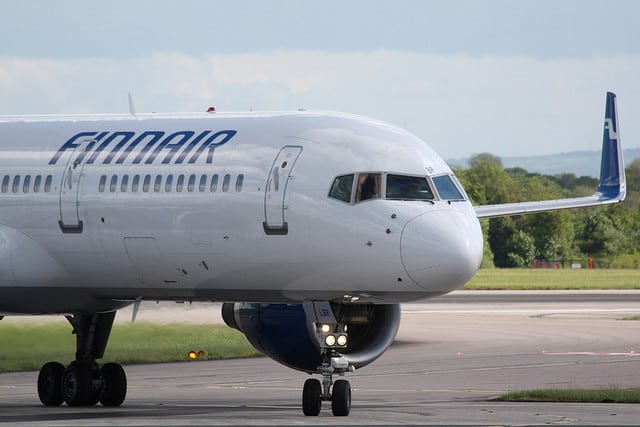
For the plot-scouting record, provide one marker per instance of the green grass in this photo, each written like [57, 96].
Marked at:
[26, 346]
[548, 279]
[608, 395]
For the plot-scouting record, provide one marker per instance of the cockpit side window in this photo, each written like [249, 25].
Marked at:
[368, 187]
[401, 187]
[341, 188]
[447, 189]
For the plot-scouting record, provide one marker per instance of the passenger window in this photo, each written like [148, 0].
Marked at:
[192, 183]
[180, 183]
[225, 183]
[27, 184]
[203, 183]
[341, 188]
[101, 185]
[168, 183]
[135, 185]
[16, 184]
[214, 182]
[5, 183]
[157, 185]
[123, 183]
[113, 185]
[36, 183]
[400, 187]
[239, 181]
[446, 188]
[47, 183]
[368, 187]
[146, 184]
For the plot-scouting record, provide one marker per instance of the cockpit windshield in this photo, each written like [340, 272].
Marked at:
[447, 189]
[401, 187]
[358, 187]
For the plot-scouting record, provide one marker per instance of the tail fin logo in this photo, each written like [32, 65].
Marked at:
[610, 127]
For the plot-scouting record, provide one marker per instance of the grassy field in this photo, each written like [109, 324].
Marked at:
[606, 395]
[26, 346]
[549, 279]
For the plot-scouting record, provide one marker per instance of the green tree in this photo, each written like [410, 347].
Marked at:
[554, 234]
[522, 250]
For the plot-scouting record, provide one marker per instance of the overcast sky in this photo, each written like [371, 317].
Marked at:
[507, 77]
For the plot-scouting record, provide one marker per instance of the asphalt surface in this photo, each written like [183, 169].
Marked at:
[451, 357]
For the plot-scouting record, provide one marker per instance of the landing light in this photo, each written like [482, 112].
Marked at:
[330, 340]
[342, 340]
[331, 335]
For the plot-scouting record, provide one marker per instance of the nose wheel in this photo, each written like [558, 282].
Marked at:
[338, 393]
[341, 398]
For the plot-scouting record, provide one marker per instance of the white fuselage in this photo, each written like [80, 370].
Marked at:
[246, 216]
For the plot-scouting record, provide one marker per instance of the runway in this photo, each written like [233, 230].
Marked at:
[452, 356]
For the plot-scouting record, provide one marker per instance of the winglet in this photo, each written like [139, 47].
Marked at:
[612, 176]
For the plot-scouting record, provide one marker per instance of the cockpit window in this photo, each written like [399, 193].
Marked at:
[400, 187]
[447, 189]
[368, 187]
[341, 188]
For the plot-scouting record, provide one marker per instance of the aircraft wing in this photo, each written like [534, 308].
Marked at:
[612, 187]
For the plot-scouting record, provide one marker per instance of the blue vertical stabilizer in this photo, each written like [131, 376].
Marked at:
[612, 178]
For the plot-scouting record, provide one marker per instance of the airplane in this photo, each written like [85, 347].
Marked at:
[310, 227]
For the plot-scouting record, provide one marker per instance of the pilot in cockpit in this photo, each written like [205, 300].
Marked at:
[368, 187]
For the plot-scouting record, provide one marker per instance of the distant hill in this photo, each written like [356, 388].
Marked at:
[580, 163]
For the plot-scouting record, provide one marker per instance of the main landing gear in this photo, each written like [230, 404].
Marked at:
[339, 392]
[84, 382]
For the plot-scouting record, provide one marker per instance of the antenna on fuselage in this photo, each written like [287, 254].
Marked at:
[132, 110]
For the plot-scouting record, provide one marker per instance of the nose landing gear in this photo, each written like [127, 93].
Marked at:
[338, 393]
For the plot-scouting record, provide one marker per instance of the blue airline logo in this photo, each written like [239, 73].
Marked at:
[148, 146]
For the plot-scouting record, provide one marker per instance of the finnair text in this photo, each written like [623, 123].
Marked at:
[146, 147]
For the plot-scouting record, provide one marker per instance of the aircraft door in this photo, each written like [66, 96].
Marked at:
[70, 193]
[274, 196]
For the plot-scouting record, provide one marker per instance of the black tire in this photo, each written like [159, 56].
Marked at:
[114, 385]
[96, 378]
[76, 384]
[50, 384]
[311, 397]
[341, 398]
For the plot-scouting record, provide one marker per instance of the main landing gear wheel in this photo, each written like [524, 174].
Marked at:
[341, 398]
[82, 384]
[114, 385]
[311, 397]
[77, 384]
[50, 384]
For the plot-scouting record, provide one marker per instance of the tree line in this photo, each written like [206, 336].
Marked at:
[608, 234]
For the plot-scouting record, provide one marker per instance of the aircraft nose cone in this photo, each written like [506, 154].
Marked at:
[441, 250]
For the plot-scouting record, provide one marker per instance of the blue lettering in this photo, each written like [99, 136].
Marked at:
[70, 144]
[126, 136]
[191, 146]
[184, 137]
[156, 137]
[182, 142]
[212, 145]
[89, 147]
